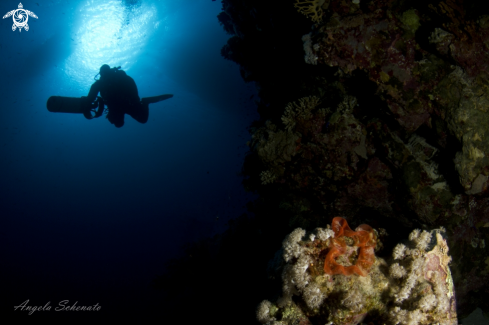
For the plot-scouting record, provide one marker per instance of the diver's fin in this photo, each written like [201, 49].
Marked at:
[155, 99]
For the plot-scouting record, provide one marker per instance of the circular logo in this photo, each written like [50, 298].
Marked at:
[20, 18]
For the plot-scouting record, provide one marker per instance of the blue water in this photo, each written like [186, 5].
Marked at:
[91, 213]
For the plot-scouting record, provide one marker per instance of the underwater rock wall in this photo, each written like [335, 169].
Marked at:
[376, 111]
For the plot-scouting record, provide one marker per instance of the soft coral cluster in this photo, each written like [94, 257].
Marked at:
[422, 285]
[416, 288]
[340, 296]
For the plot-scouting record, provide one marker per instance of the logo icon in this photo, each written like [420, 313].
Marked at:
[20, 17]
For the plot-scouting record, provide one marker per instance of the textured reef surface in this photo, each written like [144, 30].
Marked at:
[378, 112]
[414, 287]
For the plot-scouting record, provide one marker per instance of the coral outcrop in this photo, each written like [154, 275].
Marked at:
[415, 288]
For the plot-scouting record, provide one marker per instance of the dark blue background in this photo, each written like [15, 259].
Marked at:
[91, 213]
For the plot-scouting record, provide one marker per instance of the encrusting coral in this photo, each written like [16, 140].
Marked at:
[352, 285]
[364, 240]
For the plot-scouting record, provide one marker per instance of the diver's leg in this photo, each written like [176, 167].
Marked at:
[155, 99]
[139, 112]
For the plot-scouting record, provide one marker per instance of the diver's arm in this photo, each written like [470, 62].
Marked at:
[101, 107]
[94, 90]
[86, 102]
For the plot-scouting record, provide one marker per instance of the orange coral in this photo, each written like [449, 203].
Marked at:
[363, 238]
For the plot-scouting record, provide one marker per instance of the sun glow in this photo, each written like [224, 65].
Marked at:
[108, 32]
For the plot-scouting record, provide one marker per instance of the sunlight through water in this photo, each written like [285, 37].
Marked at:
[109, 32]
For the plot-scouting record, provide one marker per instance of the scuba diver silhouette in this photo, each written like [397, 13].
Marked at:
[120, 93]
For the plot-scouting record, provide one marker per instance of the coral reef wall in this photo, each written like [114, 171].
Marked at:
[377, 111]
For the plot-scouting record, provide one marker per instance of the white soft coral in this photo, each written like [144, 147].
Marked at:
[291, 246]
